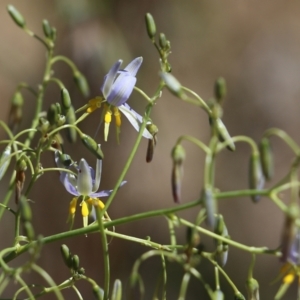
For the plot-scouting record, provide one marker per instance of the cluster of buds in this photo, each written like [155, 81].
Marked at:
[71, 261]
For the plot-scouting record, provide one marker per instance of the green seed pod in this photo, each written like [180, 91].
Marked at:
[210, 205]
[98, 292]
[162, 41]
[239, 296]
[150, 25]
[252, 287]
[75, 262]
[5, 160]
[266, 157]
[66, 255]
[81, 83]
[71, 119]
[65, 100]
[92, 146]
[172, 84]
[117, 290]
[52, 114]
[29, 231]
[47, 29]
[16, 16]
[224, 135]
[256, 178]
[220, 89]
[25, 210]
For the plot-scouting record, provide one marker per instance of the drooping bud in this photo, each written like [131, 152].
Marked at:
[92, 146]
[117, 290]
[5, 160]
[65, 100]
[48, 32]
[256, 178]
[220, 89]
[20, 178]
[71, 119]
[16, 16]
[239, 296]
[172, 84]
[25, 210]
[52, 114]
[218, 295]
[98, 292]
[150, 25]
[252, 287]
[209, 202]
[66, 255]
[266, 157]
[223, 134]
[16, 111]
[178, 156]
[151, 142]
[222, 248]
[81, 83]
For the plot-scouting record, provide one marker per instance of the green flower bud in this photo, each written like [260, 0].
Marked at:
[61, 120]
[75, 262]
[29, 231]
[52, 114]
[221, 252]
[81, 83]
[92, 146]
[256, 179]
[150, 25]
[98, 292]
[210, 205]
[252, 287]
[16, 110]
[71, 119]
[239, 296]
[162, 41]
[47, 29]
[5, 160]
[220, 89]
[117, 290]
[266, 157]
[81, 271]
[151, 142]
[218, 295]
[25, 210]
[172, 84]
[16, 16]
[224, 135]
[44, 125]
[178, 154]
[65, 100]
[66, 255]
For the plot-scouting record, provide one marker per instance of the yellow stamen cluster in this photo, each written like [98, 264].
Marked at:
[93, 104]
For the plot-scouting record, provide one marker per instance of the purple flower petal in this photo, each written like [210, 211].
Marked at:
[134, 66]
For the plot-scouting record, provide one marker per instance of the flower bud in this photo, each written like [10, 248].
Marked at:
[98, 292]
[75, 262]
[71, 119]
[5, 160]
[172, 84]
[16, 112]
[44, 125]
[92, 146]
[224, 135]
[162, 41]
[266, 157]
[218, 295]
[151, 142]
[220, 89]
[239, 296]
[209, 203]
[25, 210]
[47, 30]
[61, 120]
[66, 255]
[150, 25]
[178, 156]
[65, 100]
[16, 16]
[252, 287]
[117, 290]
[256, 179]
[81, 83]
[52, 114]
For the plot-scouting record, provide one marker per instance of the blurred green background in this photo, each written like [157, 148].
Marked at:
[253, 44]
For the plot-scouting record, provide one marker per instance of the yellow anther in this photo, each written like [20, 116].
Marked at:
[94, 104]
[117, 117]
[107, 117]
[100, 204]
[72, 208]
[84, 209]
[288, 279]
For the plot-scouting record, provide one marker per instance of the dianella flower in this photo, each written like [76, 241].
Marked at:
[117, 87]
[84, 187]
